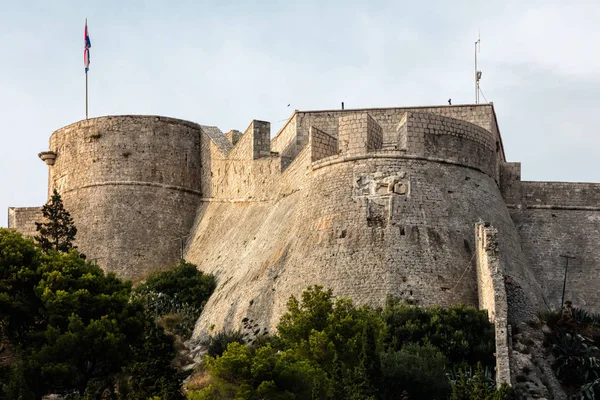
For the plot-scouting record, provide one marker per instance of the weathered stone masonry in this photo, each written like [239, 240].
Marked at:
[368, 202]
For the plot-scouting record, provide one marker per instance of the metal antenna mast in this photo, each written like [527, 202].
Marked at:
[477, 73]
[567, 257]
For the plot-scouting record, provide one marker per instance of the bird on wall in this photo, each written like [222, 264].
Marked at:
[449, 102]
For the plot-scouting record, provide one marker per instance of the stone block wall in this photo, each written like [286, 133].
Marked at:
[285, 142]
[547, 234]
[23, 219]
[358, 134]
[510, 182]
[132, 185]
[481, 115]
[254, 143]
[555, 219]
[492, 295]
[404, 224]
[233, 136]
[402, 131]
[560, 195]
[447, 138]
[322, 144]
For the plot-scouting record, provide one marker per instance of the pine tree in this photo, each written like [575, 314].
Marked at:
[58, 232]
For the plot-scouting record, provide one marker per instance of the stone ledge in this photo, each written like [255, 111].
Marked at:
[389, 154]
[134, 183]
[551, 207]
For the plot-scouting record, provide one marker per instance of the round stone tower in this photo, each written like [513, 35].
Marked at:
[132, 185]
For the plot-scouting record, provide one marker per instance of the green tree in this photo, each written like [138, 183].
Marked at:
[418, 370]
[58, 231]
[150, 372]
[184, 282]
[74, 328]
[463, 334]
[19, 305]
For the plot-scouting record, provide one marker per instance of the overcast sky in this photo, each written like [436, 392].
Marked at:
[225, 63]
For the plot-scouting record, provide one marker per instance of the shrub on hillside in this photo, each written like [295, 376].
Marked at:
[463, 334]
[218, 343]
[418, 370]
[184, 282]
[329, 348]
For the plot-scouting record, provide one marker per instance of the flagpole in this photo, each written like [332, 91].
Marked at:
[87, 62]
[86, 96]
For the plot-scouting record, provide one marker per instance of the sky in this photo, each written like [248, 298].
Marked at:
[225, 63]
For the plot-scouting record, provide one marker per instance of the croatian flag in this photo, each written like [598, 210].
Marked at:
[86, 51]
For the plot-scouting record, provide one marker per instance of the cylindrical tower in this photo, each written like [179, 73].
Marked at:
[132, 185]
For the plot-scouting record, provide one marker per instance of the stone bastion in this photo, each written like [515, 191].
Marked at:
[132, 186]
[415, 202]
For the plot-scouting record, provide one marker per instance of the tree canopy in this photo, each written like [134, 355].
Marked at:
[75, 329]
[328, 348]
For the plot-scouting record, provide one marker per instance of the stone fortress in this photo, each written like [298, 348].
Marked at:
[416, 202]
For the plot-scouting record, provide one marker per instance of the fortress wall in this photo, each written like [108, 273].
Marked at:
[510, 182]
[545, 235]
[388, 118]
[560, 194]
[240, 179]
[244, 148]
[284, 142]
[126, 148]
[561, 218]
[322, 144]
[23, 219]
[233, 136]
[334, 230]
[442, 137]
[358, 133]
[500, 155]
[127, 179]
[286, 135]
[212, 157]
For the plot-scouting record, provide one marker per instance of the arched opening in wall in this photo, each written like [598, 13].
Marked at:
[497, 147]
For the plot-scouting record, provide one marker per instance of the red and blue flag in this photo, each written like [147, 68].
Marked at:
[86, 51]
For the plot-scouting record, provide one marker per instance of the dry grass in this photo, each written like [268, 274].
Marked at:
[199, 380]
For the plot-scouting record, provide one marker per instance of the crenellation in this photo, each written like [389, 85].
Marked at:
[233, 136]
[322, 144]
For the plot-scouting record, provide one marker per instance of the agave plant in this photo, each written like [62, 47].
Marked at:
[588, 391]
[575, 361]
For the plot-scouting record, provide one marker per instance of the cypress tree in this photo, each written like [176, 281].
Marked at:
[58, 231]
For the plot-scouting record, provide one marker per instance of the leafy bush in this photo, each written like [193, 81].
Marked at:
[418, 370]
[575, 359]
[218, 344]
[463, 334]
[177, 296]
[582, 316]
[328, 348]
[477, 385]
[184, 283]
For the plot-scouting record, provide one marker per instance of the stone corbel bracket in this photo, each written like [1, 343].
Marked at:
[48, 157]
